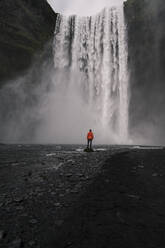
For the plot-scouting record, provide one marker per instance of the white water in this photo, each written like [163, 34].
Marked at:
[91, 81]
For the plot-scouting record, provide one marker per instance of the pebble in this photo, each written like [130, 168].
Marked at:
[74, 191]
[80, 175]
[33, 221]
[141, 166]
[18, 199]
[15, 164]
[134, 196]
[69, 175]
[71, 161]
[57, 204]
[154, 174]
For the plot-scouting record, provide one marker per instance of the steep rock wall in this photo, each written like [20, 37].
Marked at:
[146, 43]
[25, 27]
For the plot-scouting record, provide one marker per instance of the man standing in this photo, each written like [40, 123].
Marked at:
[90, 138]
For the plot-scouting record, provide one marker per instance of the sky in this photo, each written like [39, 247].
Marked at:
[81, 7]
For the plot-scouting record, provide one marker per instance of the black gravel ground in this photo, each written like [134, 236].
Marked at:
[59, 196]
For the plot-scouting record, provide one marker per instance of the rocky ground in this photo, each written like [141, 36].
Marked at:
[59, 196]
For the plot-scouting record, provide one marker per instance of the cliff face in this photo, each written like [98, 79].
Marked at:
[25, 27]
[146, 42]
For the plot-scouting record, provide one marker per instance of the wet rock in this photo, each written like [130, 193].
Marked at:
[88, 150]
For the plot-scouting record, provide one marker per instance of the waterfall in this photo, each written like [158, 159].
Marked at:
[90, 60]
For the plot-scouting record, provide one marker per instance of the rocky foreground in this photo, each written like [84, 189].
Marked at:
[53, 196]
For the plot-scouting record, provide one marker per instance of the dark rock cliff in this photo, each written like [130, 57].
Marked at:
[25, 27]
[146, 42]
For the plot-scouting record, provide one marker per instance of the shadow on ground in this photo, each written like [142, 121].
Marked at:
[123, 207]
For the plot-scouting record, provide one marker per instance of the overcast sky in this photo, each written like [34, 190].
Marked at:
[81, 7]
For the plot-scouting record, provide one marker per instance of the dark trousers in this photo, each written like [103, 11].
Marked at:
[89, 144]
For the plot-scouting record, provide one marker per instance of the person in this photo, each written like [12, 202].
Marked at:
[90, 138]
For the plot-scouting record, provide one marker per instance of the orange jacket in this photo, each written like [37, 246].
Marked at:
[90, 136]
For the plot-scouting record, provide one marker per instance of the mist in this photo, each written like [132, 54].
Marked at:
[50, 105]
[48, 112]
[66, 116]
[20, 105]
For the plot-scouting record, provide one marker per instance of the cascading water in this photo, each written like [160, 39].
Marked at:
[90, 59]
